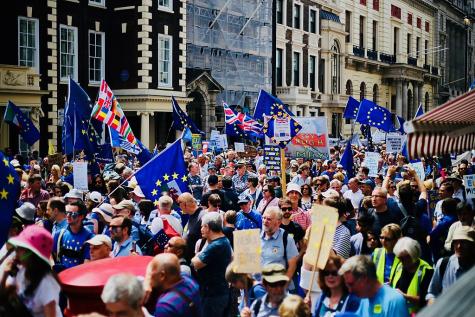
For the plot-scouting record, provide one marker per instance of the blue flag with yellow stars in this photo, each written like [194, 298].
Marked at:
[281, 127]
[181, 119]
[26, 128]
[347, 160]
[166, 172]
[9, 194]
[264, 104]
[351, 110]
[375, 116]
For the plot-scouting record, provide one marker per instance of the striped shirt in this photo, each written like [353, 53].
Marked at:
[302, 218]
[341, 241]
[172, 304]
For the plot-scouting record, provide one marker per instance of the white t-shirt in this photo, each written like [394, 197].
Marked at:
[46, 292]
[157, 224]
[355, 198]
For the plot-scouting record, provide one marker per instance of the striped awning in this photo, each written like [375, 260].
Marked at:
[327, 15]
[449, 128]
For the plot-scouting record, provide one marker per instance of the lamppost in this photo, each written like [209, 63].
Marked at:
[467, 22]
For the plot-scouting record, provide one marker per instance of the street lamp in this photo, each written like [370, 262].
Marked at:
[467, 22]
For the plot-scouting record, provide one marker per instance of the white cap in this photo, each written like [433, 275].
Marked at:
[100, 239]
[95, 197]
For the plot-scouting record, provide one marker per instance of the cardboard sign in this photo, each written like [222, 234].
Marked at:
[322, 232]
[80, 175]
[394, 143]
[312, 141]
[247, 251]
[469, 181]
[371, 162]
[272, 157]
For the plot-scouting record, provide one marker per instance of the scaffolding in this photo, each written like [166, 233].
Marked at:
[233, 40]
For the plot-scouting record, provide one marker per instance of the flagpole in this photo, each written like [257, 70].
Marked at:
[284, 174]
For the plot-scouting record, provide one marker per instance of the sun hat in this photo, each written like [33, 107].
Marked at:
[274, 272]
[74, 193]
[330, 193]
[293, 187]
[100, 239]
[128, 204]
[464, 233]
[105, 210]
[26, 211]
[95, 197]
[36, 239]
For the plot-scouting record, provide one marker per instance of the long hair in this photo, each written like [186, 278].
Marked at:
[35, 270]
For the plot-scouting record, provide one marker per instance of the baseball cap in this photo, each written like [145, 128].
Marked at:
[243, 200]
[464, 233]
[100, 239]
[367, 182]
[95, 197]
[274, 272]
[125, 204]
[105, 210]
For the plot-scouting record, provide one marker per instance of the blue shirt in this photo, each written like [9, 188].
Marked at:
[58, 226]
[173, 305]
[242, 222]
[388, 263]
[217, 255]
[124, 248]
[273, 248]
[73, 247]
[386, 303]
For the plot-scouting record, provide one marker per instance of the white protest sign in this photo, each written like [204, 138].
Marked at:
[247, 251]
[282, 129]
[371, 162]
[469, 182]
[239, 147]
[419, 168]
[80, 175]
[224, 141]
[394, 143]
[378, 136]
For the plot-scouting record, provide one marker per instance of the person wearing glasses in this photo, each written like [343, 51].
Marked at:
[247, 218]
[70, 248]
[120, 231]
[384, 258]
[335, 297]
[269, 198]
[306, 197]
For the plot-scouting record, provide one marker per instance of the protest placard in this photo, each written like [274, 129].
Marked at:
[371, 162]
[419, 168]
[324, 221]
[469, 182]
[433, 197]
[272, 157]
[239, 147]
[80, 175]
[312, 141]
[223, 141]
[394, 143]
[196, 142]
[247, 251]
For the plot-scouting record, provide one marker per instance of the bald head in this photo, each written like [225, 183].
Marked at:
[163, 271]
[177, 246]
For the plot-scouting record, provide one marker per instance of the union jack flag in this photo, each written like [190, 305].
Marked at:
[241, 124]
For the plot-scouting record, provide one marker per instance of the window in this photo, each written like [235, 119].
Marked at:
[335, 68]
[297, 16]
[427, 26]
[164, 60]
[68, 47]
[396, 41]
[280, 11]
[28, 52]
[375, 35]
[311, 70]
[313, 21]
[409, 42]
[278, 66]
[96, 56]
[375, 93]
[165, 4]
[362, 31]
[409, 18]
[376, 5]
[348, 26]
[426, 49]
[349, 88]
[97, 2]
[336, 125]
[362, 91]
[363, 2]
[419, 23]
[395, 11]
[418, 46]
[296, 68]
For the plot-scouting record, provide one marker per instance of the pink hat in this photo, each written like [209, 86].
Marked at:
[36, 239]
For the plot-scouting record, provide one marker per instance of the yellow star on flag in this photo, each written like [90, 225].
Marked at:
[158, 183]
[154, 192]
[155, 202]
[6, 162]
[184, 178]
[175, 175]
[83, 131]
[3, 194]
[166, 177]
[10, 179]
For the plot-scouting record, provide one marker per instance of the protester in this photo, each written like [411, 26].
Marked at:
[384, 257]
[247, 218]
[177, 246]
[241, 177]
[192, 230]
[269, 198]
[34, 193]
[250, 290]
[299, 216]
[293, 306]
[354, 193]
[120, 231]
[306, 199]
[465, 215]
[123, 296]
[100, 247]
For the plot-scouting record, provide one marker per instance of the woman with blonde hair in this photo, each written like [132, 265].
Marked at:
[293, 306]
[384, 258]
[55, 174]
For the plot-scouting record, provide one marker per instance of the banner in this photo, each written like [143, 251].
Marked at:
[469, 181]
[419, 168]
[394, 143]
[247, 251]
[371, 162]
[196, 142]
[80, 175]
[272, 157]
[312, 141]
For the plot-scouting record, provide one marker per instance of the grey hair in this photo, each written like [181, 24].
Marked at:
[213, 220]
[336, 181]
[275, 211]
[165, 202]
[411, 246]
[123, 287]
[359, 266]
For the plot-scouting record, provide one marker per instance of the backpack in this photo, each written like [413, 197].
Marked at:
[410, 226]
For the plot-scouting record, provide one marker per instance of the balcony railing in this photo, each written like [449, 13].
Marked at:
[357, 51]
[412, 61]
[387, 58]
[372, 55]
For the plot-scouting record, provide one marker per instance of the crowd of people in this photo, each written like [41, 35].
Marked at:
[399, 243]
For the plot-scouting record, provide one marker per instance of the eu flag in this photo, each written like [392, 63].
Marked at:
[26, 128]
[400, 121]
[181, 119]
[375, 116]
[281, 128]
[165, 172]
[351, 110]
[241, 124]
[264, 103]
[347, 160]
[78, 132]
[9, 194]
[419, 112]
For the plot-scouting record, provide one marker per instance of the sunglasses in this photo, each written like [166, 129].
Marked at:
[386, 238]
[286, 208]
[277, 284]
[73, 215]
[114, 228]
[265, 190]
[330, 273]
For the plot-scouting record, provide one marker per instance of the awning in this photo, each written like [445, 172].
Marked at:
[449, 128]
[327, 15]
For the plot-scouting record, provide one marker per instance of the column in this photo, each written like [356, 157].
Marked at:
[144, 128]
[399, 97]
[404, 99]
[415, 99]
[305, 110]
[421, 96]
